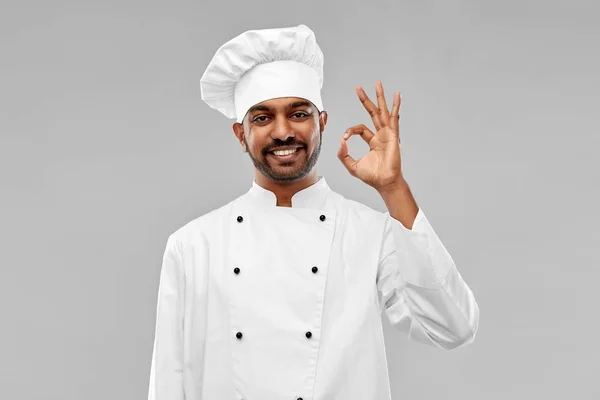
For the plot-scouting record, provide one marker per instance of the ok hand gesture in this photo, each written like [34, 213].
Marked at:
[381, 166]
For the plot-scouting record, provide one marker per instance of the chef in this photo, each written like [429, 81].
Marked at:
[279, 294]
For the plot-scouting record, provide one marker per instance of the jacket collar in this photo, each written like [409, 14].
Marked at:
[313, 196]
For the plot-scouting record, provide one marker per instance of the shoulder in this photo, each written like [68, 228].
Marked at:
[361, 212]
[202, 226]
[359, 217]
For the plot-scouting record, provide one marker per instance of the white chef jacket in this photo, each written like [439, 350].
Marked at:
[261, 302]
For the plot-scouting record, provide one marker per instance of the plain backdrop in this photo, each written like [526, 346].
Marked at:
[107, 148]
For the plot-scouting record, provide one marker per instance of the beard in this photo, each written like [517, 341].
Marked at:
[287, 173]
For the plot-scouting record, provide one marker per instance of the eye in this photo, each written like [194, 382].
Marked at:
[297, 114]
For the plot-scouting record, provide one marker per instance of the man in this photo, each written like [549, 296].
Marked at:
[279, 293]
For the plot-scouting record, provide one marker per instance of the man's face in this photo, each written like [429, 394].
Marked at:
[286, 121]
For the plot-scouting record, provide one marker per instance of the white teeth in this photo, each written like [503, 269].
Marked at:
[284, 152]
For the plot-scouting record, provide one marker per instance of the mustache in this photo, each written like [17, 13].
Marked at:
[274, 146]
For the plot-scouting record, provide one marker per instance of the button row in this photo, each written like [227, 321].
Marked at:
[236, 270]
[241, 219]
[239, 335]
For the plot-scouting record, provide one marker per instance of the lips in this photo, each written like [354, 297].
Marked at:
[287, 157]
[290, 148]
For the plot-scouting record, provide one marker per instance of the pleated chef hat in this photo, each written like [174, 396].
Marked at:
[259, 65]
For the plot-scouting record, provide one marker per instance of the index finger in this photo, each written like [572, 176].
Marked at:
[369, 106]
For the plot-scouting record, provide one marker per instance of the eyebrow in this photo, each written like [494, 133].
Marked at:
[295, 104]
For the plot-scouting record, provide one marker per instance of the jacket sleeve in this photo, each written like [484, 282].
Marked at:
[166, 371]
[420, 289]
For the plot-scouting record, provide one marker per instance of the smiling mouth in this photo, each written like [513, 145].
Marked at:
[287, 156]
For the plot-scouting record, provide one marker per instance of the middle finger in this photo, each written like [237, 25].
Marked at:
[369, 106]
[383, 109]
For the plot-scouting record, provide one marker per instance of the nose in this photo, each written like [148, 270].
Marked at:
[282, 129]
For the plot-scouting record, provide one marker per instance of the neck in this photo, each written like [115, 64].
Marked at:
[284, 191]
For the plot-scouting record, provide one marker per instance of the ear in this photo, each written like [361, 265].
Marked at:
[323, 120]
[238, 130]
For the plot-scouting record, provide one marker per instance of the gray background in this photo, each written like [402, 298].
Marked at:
[107, 148]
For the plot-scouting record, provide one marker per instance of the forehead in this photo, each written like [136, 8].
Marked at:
[280, 103]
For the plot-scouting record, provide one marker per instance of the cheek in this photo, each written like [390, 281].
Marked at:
[315, 138]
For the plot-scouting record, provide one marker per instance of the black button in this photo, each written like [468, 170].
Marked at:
[322, 218]
[299, 398]
[308, 334]
[238, 335]
[239, 218]
[315, 269]
[236, 270]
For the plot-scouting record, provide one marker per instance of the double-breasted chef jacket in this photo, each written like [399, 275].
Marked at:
[262, 302]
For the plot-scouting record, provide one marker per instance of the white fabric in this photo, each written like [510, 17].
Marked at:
[259, 65]
[367, 263]
[277, 79]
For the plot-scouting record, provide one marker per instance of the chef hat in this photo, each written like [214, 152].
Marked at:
[258, 65]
